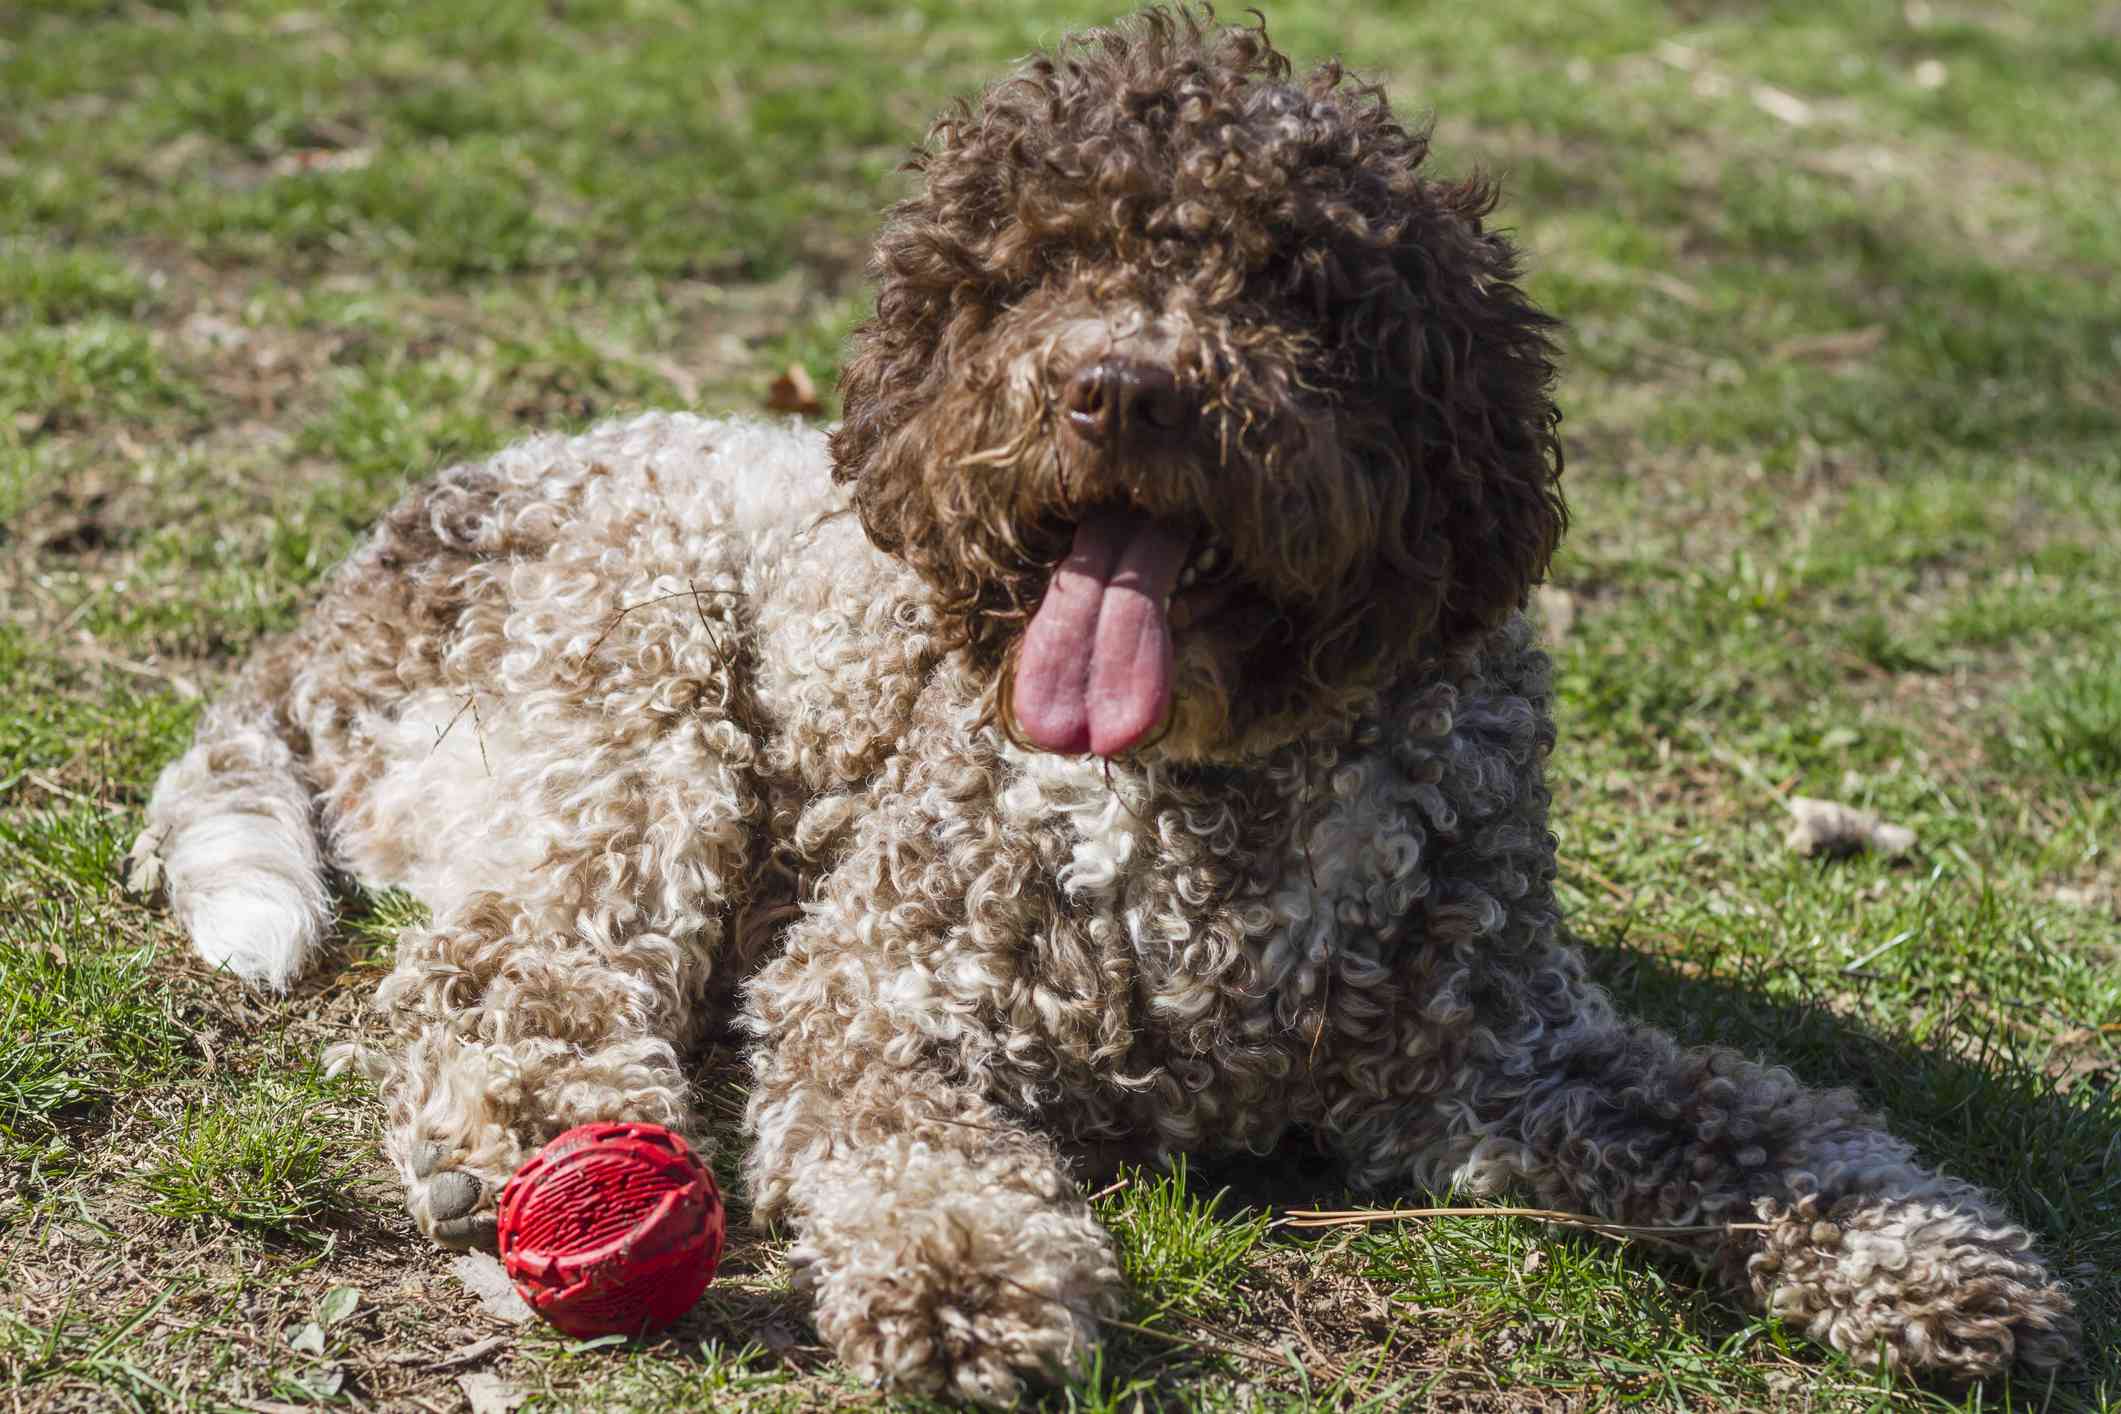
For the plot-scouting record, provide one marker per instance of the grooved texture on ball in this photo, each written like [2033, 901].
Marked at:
[611, 1228]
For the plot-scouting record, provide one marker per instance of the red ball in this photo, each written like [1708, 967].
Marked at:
[611, 1229]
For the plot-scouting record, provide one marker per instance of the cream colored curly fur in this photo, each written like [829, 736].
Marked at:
[643, 714]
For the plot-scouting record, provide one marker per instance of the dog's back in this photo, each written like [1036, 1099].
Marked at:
[395, 734]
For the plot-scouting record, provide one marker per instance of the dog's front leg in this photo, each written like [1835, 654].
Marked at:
[1863, 1248]
[943, 1241]
[535, 1033]
[569, 992]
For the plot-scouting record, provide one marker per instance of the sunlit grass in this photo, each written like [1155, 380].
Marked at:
[1844, 448]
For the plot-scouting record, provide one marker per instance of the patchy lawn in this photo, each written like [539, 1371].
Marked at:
[1844, 401]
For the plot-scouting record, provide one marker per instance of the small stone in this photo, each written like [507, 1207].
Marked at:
[1823, 827]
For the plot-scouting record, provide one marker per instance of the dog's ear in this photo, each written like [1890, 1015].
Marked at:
[929, 272]
[876, 357]
[1478, 422]
[893, 362]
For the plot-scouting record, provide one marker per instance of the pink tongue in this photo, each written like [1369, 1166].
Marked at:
[1095, 670]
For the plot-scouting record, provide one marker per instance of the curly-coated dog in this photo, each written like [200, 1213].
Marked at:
[1119, 737]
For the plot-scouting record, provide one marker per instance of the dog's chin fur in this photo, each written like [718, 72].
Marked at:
[1210, 720]
[680, 706]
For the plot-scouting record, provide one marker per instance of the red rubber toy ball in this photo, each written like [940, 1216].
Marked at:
[611, 1229]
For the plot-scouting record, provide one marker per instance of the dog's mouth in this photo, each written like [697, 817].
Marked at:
[1094, 673]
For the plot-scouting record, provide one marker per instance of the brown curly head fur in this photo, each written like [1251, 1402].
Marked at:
[1370, 428]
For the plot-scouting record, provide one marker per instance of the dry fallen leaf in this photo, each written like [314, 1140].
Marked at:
[1782, 104]
[2083, 1052]
[794, 392]
[1826, 828]
[1680, 56]
[489, 1393]
[2072, 896]
[322, 159]
[470, 1354]
[1837, 347]
[1672, 287]
[484, 1277]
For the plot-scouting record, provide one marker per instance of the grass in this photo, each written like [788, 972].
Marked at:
[1845, 455]
[1177, 1249]
[252, 1162]
[79, 1036]
[2073, 719]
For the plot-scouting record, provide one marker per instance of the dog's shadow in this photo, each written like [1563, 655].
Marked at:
[1969, 1100]
[1971, 1096]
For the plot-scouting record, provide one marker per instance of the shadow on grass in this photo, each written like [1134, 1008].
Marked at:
[1966, 1098]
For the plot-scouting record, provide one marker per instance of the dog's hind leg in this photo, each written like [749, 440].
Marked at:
[231, 838]
[1863, 1250]
[237, 825]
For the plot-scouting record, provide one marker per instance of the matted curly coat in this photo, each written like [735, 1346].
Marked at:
[1151, 761]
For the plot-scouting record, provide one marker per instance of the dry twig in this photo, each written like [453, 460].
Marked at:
[1356, 1217]
[691, 591]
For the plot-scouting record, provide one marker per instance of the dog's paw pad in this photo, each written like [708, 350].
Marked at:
[453, 1206]
[453, 1195]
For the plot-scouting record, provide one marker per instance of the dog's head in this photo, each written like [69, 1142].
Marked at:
[1200, 407]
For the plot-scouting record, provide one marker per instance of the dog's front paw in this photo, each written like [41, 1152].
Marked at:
[951, 1313]
[1938, 1283]
[970, 1287]
[452, 1198]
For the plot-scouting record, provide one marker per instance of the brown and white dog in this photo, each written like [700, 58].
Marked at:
[1120, 736]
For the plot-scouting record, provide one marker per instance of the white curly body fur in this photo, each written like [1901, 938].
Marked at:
[640, 716]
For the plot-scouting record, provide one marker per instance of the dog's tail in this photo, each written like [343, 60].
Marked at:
[231, 838]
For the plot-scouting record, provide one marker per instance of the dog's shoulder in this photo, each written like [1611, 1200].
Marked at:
[847, 640]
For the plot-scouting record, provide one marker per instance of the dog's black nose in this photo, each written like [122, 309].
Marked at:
[1118, 401]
